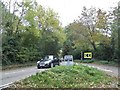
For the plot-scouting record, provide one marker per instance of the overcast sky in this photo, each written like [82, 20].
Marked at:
[68, 10]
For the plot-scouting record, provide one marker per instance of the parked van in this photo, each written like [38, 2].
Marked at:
[68, 60]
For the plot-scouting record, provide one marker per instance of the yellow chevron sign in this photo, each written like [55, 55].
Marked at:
[88, 55]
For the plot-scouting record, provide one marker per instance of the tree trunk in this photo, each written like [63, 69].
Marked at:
[94, 46]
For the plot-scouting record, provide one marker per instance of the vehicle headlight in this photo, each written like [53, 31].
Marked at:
[38, 62]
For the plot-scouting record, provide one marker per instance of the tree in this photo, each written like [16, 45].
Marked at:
[34, 33]
[95, 22]
[8, 41]
[115, 32]
[89, 32]
[75, 39]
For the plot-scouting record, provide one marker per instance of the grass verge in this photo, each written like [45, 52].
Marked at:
[110, 63]
[103, 62]
[84, 61]
[14, 66]
[76, 76]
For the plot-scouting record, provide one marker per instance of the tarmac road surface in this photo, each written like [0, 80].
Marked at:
[10, 76]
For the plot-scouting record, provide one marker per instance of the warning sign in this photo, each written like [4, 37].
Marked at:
[88, 55]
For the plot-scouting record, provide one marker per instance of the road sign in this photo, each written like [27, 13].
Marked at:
[88, 55]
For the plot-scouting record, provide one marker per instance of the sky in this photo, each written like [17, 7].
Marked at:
[69, 10]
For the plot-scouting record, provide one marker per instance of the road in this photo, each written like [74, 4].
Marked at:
[110, 70]
[10, 76]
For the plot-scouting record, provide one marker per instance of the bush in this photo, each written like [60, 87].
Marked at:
[104, 62]
[104, 52]
[86, 61]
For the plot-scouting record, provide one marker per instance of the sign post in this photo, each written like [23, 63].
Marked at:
[81, 55]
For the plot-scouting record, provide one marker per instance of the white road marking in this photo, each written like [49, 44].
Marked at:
[104, 69]
[99, 68]
[5, 85]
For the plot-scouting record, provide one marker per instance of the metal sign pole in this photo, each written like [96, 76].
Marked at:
[81, 55]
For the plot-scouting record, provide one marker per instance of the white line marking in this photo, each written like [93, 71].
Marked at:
[5, 85]
[99, 68]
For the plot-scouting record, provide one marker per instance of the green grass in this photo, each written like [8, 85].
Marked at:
[77, 76]
[84, 61]
[104, 62]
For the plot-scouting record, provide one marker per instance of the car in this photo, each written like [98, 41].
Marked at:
[48, 62]
[68, 60]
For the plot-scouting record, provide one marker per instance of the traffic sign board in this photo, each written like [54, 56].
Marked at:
[88, 55]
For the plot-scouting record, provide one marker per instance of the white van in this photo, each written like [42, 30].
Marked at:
[68, 60]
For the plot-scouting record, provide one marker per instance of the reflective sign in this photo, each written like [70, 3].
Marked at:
[88, 55]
